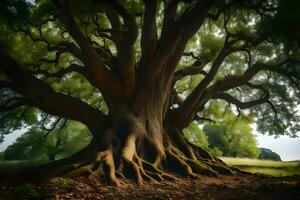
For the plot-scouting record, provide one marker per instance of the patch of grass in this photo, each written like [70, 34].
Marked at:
[286, 171]
[269, 167]
[61, 181]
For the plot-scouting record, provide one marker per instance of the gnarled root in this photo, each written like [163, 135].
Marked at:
[133, 166]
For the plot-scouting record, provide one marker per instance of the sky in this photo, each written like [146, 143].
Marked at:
[288, 148]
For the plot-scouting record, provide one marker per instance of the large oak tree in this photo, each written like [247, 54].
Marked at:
[136, 73]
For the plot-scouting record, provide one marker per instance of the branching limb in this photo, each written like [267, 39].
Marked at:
[54, 125]
[169, 16]
[149, 32]
[196, 68]
[44, 97]
[124, 43]
[191, 103]
[201, 94]
[102, 78]
[240, 104]
[199, 118]
[295, 82]
[67, 47]
[60, 73]
[172, 44]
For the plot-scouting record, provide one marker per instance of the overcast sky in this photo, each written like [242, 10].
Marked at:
[288, 148]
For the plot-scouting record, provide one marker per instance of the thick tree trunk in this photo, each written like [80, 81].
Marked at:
[139, 144]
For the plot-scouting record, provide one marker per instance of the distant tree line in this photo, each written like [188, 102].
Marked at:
[268, 154]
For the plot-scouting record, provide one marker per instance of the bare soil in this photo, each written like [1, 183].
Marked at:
[239, 187]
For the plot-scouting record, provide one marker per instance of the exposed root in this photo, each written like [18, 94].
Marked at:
[222, 169]
[147, 174]
[134, 167]
[201, 168]
[131, 170]
[176, 160]
[109, 168]
[191, 162]
[141, 170]
[154, 172]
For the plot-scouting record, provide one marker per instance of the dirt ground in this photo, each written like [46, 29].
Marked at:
[239, 187]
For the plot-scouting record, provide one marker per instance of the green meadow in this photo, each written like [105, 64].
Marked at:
[268, 167]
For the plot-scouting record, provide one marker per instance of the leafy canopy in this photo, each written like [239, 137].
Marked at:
[262, 31]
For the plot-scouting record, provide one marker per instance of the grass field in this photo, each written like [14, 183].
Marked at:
[273, 168]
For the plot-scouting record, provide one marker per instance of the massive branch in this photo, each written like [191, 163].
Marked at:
[241, 105]
[171, 44]
[194, 69]
[60, 73]
[101, 77]
[233, 81]
[44, 97]
[191, 103]
[124, 40]
[169, 16]
[149, 32]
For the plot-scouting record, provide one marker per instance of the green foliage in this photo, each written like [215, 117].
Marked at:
[195, 135]
[267, 154]
[61, 181]
[28, 192]
[37, 145]
[232, 140]
[229, 135]
[280, 29]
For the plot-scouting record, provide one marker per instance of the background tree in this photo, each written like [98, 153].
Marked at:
[231, 134]
[195, 134]
[226, 135]
[1, 155]
[115, 66]
[268, 154]
[44, 145]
